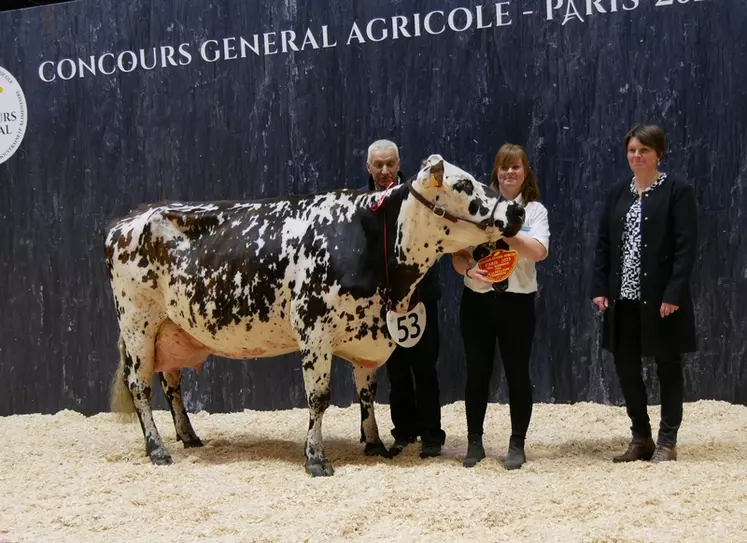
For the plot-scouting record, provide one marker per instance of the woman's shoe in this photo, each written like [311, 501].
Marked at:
[475, 451]
[664, 453]
[515, 457]
[640, 448]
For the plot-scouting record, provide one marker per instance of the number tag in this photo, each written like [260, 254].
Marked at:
[406, 329]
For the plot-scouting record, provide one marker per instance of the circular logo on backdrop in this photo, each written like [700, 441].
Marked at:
[13, 116]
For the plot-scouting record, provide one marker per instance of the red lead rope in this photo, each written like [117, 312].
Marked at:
[379, 204]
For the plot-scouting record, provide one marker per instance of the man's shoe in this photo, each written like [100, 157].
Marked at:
[664, 453]
[640, 448]
[515, 457]
[475, 451]
[398, 446]
[430, 449]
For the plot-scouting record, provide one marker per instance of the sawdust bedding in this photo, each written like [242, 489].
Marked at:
[67, 477]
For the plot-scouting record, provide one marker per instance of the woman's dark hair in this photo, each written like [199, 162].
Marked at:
[649, 135]
[507, 155]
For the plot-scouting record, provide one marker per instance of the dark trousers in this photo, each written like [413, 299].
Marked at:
[509, 319]
[628, 365]
[414, 396]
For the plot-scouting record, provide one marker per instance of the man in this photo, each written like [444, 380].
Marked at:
[414, 397]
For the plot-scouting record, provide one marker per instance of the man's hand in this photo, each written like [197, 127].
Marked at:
[667, 309]
[601, 302]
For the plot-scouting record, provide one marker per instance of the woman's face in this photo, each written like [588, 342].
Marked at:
[511, 176]
[641, 158]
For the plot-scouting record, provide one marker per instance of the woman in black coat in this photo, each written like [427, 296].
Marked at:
[642, 267]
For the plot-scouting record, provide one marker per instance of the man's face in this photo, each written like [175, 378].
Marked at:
[383, 167]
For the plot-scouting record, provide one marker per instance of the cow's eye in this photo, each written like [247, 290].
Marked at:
[465, 186]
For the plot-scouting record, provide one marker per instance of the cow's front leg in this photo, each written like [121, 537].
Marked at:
[317, 369]
[171, 383]
[365, 383]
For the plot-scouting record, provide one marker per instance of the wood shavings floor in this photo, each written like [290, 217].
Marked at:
[70, 478]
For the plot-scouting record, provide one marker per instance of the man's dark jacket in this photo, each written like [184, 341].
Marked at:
[430, 286]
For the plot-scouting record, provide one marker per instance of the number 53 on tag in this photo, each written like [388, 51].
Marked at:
[406, 329]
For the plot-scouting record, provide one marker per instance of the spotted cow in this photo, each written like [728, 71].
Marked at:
[262, 278]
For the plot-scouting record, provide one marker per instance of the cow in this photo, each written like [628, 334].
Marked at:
[316, 274]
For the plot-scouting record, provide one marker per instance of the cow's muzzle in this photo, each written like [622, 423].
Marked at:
[515, 215]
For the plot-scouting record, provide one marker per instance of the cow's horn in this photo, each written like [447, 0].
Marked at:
[437, 175]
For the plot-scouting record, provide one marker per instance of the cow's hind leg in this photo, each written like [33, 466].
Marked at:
[139, 335]
[365, 382]
[171, 383]
[317, 367]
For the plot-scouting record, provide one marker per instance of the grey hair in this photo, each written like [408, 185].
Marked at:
[382, 145]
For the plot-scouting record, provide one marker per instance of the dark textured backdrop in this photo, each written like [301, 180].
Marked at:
[301, 122]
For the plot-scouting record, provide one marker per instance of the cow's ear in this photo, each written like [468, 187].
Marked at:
[432, 160]
[436, 173]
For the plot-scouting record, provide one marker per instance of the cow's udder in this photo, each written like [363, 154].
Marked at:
[176, 349]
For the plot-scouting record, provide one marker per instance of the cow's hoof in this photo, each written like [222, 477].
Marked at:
[376, 449]
[160, 457]
[319, 468]
[195, 442]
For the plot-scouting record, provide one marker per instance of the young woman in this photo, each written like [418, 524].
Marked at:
[503, 311]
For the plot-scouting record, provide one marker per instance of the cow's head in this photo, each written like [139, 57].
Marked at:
[454, 193]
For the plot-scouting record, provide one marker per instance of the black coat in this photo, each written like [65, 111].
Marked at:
[429, 288]
[668, 249]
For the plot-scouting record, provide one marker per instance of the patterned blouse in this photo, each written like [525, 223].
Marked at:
[630, 288]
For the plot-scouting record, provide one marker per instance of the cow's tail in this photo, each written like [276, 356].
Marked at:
[120, 400]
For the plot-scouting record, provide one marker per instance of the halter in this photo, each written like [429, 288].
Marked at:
[442, 212]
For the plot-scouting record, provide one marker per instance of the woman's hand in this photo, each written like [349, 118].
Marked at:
[464, 265]
[478, 275]
[601, 302]
[667, 309]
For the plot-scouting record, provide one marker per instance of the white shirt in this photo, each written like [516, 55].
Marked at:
[523, 280]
